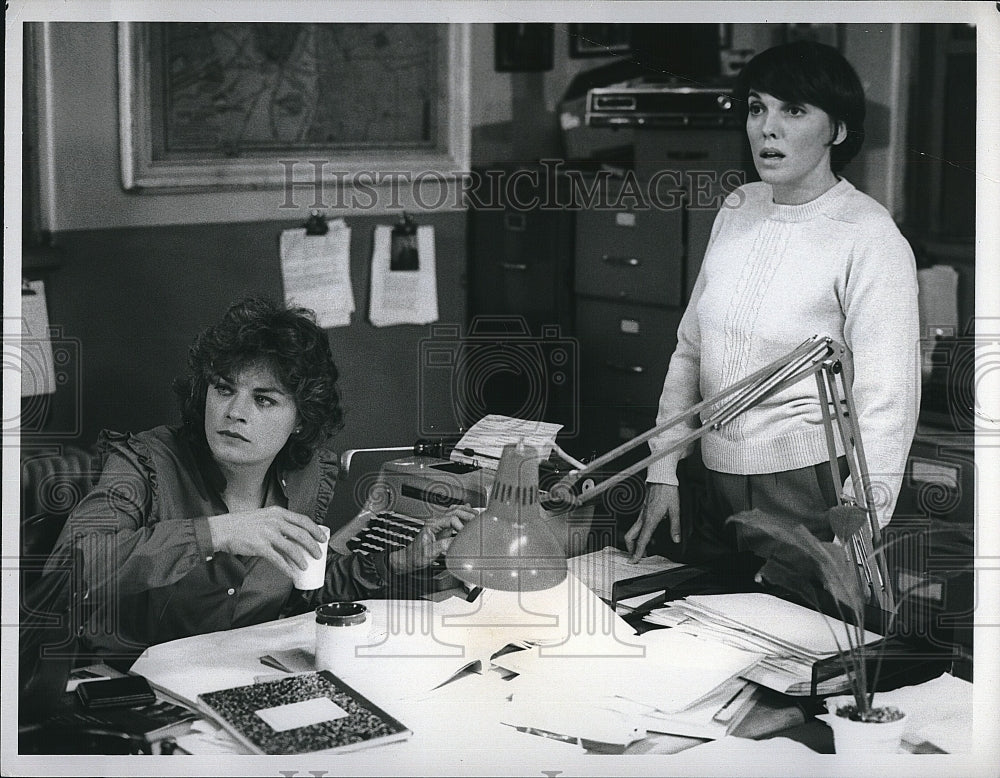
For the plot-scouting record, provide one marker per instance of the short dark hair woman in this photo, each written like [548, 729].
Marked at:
[799, 253]
[200, 527]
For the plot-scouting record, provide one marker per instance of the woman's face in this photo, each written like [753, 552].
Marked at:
[248, 417]
[791, 147]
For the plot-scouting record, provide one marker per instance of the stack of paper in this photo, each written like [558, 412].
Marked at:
[601, 570]
[791, 638]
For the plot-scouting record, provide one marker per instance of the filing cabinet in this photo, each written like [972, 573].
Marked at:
[626, 350]
[630, 253]
[522, 253]
[636, 262]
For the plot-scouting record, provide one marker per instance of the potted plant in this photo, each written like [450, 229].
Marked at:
[817, 571]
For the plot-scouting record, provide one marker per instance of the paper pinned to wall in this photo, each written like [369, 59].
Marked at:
[403, 296]
[38, 375]
[937, 302]
[316, 272]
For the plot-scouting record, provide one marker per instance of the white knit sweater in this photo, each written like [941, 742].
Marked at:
[773, 276]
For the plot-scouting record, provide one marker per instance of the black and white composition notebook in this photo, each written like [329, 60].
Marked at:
[302, 714]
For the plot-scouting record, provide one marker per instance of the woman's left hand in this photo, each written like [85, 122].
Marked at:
[432, 541]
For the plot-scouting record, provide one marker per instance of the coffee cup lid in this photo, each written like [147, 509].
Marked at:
[341, 614]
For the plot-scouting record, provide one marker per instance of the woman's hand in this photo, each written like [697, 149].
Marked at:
[663, 501]
[432, 541]
[276, 534]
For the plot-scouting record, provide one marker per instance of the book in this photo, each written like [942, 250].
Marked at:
[302, 714]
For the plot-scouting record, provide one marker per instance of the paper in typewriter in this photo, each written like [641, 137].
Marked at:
[483, 444]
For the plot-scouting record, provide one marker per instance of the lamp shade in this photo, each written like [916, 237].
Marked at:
[508, 546]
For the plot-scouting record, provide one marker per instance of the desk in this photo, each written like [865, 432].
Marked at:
[414, 645]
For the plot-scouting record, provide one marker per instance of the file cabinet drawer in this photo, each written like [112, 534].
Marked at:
[624, 351]
[630, 254]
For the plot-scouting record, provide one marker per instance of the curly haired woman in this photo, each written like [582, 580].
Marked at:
[200, 527]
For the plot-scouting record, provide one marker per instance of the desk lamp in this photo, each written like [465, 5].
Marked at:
[509, 547]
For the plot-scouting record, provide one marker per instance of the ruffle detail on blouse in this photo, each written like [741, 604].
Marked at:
[328, 463]
[135, 450]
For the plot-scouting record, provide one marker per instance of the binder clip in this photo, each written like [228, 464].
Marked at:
[316, 224]
[403, 254]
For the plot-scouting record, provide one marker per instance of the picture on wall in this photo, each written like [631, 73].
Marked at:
[216, 104]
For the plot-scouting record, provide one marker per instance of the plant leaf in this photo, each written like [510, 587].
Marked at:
[845, 520]
[808, 560]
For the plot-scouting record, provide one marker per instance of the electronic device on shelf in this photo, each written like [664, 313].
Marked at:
[667, 106]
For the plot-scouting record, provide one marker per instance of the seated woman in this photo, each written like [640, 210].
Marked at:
[199, 528]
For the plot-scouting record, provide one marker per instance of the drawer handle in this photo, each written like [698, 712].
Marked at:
[621, 261]
[513, 266]
[635, 369]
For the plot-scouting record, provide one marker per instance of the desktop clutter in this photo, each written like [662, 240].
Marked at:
[537, 647]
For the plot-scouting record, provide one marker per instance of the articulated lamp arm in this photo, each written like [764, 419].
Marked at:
[820, 356]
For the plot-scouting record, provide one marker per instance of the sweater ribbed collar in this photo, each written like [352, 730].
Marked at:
[806, 211]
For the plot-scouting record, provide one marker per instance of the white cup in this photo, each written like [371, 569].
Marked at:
[340, 628]
[315, 573]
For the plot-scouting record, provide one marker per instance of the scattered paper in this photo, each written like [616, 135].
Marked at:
[316, 272]
[403, 296]
[938, 711]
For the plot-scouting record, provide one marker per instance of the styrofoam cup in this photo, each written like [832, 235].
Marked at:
[315, 573]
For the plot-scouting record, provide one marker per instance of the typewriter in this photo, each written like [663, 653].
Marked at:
[411, 489]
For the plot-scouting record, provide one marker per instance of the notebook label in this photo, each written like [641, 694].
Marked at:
[301, 714]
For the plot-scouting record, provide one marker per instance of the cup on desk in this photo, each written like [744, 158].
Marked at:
[315, 573]
[340, 628]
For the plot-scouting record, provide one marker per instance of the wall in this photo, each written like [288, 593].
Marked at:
[134, 291]
[134, 298]
[140, 275]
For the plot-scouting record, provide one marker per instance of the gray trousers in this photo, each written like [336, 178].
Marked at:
[708, 498]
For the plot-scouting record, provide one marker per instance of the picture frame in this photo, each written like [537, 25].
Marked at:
[190, 122]
[831, 34]
[599, 40]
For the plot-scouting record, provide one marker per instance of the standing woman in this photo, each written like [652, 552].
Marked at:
[199, 527]
[799, 253]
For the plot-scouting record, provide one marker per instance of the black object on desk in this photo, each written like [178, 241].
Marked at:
[115, 692]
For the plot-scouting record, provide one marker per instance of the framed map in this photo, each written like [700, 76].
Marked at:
[216, 105]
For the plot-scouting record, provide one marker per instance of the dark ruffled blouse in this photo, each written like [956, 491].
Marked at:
[149, 570]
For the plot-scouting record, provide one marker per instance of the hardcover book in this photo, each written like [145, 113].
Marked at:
[302, 714]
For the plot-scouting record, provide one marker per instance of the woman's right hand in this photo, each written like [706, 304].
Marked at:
[277, 534]
[663, 501]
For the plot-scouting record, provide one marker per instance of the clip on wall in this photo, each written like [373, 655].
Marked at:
[403, 254]
[316, 224]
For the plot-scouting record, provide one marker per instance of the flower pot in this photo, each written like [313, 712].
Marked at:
[868, 737]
